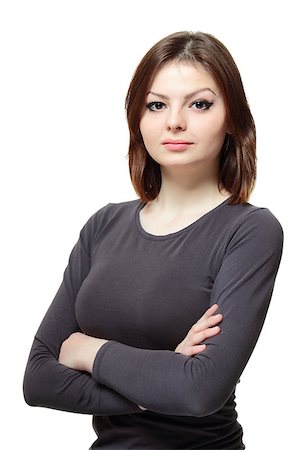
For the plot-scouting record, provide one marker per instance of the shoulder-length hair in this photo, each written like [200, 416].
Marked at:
[237, 162]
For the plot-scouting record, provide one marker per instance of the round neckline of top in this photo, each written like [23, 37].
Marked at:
[184, 230]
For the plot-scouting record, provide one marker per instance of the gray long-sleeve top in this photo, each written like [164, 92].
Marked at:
[143, 293]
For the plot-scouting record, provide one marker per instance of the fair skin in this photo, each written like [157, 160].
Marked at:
[189, 186]
[184, 104]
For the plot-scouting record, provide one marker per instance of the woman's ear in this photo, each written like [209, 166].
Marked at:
[229, 127]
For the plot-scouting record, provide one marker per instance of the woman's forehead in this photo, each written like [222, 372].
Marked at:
[182, 76]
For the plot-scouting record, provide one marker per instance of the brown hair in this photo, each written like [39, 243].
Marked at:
[237, 170]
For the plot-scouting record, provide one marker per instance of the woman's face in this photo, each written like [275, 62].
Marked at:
[184, 119]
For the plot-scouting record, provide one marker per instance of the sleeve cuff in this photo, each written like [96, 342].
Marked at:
[96, 370]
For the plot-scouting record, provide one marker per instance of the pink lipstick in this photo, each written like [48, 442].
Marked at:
[177, 145]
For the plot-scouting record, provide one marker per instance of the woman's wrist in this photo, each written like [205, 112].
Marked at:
[78, 352]
[88, 351]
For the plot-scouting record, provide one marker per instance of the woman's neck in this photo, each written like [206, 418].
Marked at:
[187, 192]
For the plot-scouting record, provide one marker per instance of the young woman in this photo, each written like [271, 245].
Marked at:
[164, 297]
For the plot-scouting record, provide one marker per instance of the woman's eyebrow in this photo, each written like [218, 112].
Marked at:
[187, 96]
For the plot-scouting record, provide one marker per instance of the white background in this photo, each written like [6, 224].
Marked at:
[65, 69]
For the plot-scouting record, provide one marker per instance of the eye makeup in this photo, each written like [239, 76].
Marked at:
[200, 105]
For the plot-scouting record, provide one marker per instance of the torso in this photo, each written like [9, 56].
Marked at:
[147, 291]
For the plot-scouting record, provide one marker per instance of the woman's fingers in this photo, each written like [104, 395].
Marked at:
[191, 351]
[193, 343]
[210, 311]
[196, 340]
[204, 323]
[199, 337]
[205, 327]
[197, 349]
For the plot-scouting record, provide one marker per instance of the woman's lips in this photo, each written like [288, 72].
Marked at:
[176, 145]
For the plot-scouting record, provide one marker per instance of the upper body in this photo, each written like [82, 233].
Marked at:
[144, 271]
[143, 292]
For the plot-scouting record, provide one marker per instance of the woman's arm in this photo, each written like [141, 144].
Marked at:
[79, 350]
[171, 383]
[56, 373]
[51, 384]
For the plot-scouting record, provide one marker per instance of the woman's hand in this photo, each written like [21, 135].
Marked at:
[205, 327]
[79, 351]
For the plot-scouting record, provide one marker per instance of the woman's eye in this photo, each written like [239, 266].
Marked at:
[202, 105]
[155, 106]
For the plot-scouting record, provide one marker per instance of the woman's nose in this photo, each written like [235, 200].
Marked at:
[175, 121]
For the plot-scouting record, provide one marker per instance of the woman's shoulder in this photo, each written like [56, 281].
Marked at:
[257, 222]
[103, 217]
[115, 208]
[109, 212]
[261, 215]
